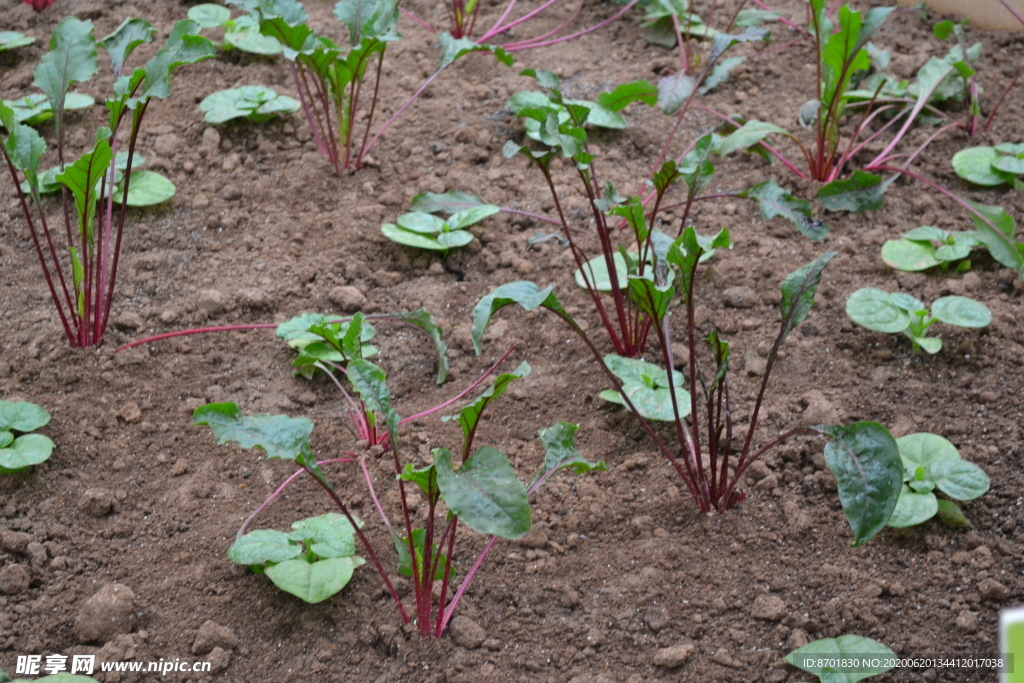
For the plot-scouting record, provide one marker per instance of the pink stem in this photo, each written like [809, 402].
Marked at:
[282, 487]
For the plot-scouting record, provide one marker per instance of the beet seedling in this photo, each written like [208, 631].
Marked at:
[242, 33]
[476, 487]
[423, 230]
[928, 246]
[11, 40]
[35, 109]
[706, 453]
[19, 448]
[892, 313]
[932, 463]
[81, 275]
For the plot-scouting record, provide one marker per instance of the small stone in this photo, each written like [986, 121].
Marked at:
[219, 658]
[14, 579]
[770, 607]
[757, 471]
[723, 657]
[130, 412]
[467, 633]
[349, 298]
[130, 321]
[211, 139]
[168, 144]
[739, 297]
[231, 192]
[108, 613]
[210, 301]
[536, 538]
[179, 467]
[991, 589]
[98, 502]
[981, 558]
[14, 541]
[656, 617]
[211, 636]
[818, 409]
[797, 639]
[671, 657]
[967, 621]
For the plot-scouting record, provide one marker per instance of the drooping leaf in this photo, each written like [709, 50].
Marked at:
[866, 462]
[147, 188]
[647, 387]
[447, 202]
[182, 47]
[857, 194]
[913, 508]
[528, 295]
[997, 231]
[279, 436]
[313, 582]
[719, 73]
[674, 90]
[560, 452]
[776, 201]
[627, 93]
[454, 48]
[254, 102]
[748, 135]
[10, 40]
[798, 290]
[952, 516]
[470, 415]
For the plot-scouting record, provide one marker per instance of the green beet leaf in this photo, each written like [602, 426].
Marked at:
[122, 42]
[208, 15]
[26, 450]
[469, 416]
[279, 436]
[447, 202]
[560, 452]
[257, 548]
[72, 59]
[646, 385]
[997, 231]
[35, 108]
[528, 295]
[866, 463]
[976, 165]
[313, 582]
[182, 47]
[959, 479]
[425, 478]
[146, 188]
[798, 290]
[775, 201]
[857, 194]
[10, 40]
[244, 34]
[909, 255]
[419, 539]
[952, 516]
[370, 383]
[484, 492]
[809, 657]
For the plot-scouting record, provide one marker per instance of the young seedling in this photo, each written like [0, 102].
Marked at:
[846, 659]
[648, 388]
[706, 453]
[928, 246]
[256, 103]
[148, 188]
[992, 166]
[893, 313]
[312, 562]
[19, 448]
[932, 463]
[475, 487]
[35, 109]
[242, 33]
[81, 272]
[426, 231]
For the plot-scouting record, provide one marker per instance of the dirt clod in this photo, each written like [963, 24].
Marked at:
[467, 633]
[108, 613]
[671, 657]
[14, 579]
[212, 635]
[98, 502]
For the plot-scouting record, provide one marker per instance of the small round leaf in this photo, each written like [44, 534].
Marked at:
[913, 508]
[974, 164]
[313, 582]
[209, 15]
[872, 308]
[922, 449]
[26, 451]
[597, 273]
[262, 546]
[959, 479]
[959, 310]
[22, 416]
[909, 255]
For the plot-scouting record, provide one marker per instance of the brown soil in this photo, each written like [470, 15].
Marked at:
[620, 566]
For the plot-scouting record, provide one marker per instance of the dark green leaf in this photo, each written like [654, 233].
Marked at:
[470, 415]
[775, 201]
[997, 231]
[720, 72]
[952, 516]
[423, 477]
[181, 48]
[528, 295]
[627, 93]
[560, 452]
[279, 436]
[798, 290]
[369, 381]
[866, 462]
[454, 48]
[857, 194]
[653, 300]
[674, 90]
[419, 539]
[484, 493]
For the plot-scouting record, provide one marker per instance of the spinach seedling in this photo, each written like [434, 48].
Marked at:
[992, 166]
[242, 33]
[312, 562]
[928, 246]
[930, 463]
[10, 40]
[476, 487]
[892, 313]
[706, 453]
[257, 103]
[426, 231]
[20, 449]
[648, 388]
[148, 188]
[81, 275]
[846, 659]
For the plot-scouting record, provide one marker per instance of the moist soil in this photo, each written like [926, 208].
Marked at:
[621, 578]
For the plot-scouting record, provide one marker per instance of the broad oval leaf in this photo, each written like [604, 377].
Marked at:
[279, 436]
[597, 272]
[208, 15]
[872, 308]
[866, 462]
[861, 192]
[959, 310]
[313, 582]
[485, 492]
[261, 546]
[913, 508]
[329, 535]
[147, 188]
[812, 656]
[26, 451]
[922, 449]
[22, 416]
[959, 479]
[560, 452]
[408, 238]
[909, 255]
[974, 164]
[646, 385]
